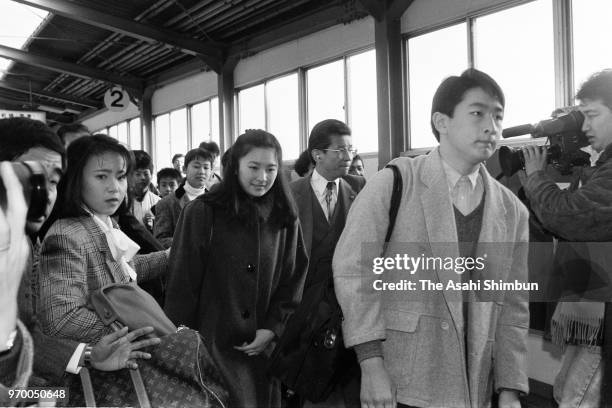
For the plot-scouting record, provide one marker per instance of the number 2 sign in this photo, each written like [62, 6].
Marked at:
[116, 99]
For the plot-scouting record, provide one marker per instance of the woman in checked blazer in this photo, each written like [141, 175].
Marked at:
[84, 250]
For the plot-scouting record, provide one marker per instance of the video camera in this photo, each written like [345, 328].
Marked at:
[565, 139]
[33, 178]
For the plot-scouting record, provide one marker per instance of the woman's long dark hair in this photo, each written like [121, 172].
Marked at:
[231, 196]
[69, 201]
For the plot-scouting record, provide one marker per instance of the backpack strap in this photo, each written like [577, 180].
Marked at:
[396, 196]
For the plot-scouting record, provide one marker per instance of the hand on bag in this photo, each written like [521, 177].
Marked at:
[120, 349]
[263, 337]
[14, 249]
[377, 389]
[509, 399]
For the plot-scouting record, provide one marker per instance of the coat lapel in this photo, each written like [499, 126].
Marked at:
[441, 228]
[303, 199]
[99, 239]
[348, 195]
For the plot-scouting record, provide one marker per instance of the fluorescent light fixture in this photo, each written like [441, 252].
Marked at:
[51, 109]
[18, 23]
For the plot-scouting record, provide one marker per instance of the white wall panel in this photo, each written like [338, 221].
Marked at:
[424, 13]
[323, 45]
[188, 90]
[108, 118]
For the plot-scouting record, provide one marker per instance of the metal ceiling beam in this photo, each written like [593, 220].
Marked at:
[319, 20]
[31, 106]
[63, 98]
[77, 70]
[211, 52]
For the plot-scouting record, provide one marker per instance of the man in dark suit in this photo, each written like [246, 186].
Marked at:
[323, 201]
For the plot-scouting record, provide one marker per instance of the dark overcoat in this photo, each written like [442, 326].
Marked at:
[228, 279]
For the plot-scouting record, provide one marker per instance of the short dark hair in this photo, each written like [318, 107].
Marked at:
[72, 128]
[230, 196]
[18, 135]
[212, 147]
[142, 160]
[598, 86]
[69, 201]
[451, 91]
[201, 153]
[176, 156]
[169, 172]
[303, 163]
[355, 158]
[322, 132]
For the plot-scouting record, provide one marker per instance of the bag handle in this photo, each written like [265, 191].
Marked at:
[90, 400]
[396, 196]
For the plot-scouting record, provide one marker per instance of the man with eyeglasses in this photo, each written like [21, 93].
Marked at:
[323, 200]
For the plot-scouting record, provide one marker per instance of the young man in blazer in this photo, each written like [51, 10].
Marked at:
[430, 348]
[323, 201]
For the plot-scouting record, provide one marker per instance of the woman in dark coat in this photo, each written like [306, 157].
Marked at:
[238, 265]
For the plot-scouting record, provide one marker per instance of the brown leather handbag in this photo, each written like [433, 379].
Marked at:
[180, 373]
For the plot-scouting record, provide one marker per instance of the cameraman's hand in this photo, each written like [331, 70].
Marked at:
[120, 349]
[535, 159]
[14, 249]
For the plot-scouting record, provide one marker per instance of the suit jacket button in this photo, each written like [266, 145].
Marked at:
[250, 268]
[444, 325]
[246, 314]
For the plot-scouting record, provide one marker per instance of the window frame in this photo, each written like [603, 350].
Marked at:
[563, 61]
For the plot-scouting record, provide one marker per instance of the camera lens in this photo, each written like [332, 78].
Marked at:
[33, 179]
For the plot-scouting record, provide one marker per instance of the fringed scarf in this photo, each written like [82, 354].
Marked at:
[578, 323]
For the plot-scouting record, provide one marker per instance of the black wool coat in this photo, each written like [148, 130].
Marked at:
[227, 279]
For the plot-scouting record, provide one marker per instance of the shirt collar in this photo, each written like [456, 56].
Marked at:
[452, 175]
[319, 183]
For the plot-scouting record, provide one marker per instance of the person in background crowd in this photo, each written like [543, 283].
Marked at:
[357, 168]
[323, 201]
[212, 148]
[168, 180]
[198, 168]
[140, 183]
[26, 139]
[241, 240]
[303, 165]
[84, 250]
[441, 348]
[178, 161]
[70, 133]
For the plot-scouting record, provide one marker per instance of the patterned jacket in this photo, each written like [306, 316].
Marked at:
[76, 260]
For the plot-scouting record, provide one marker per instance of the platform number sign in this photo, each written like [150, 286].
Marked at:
[116, 99]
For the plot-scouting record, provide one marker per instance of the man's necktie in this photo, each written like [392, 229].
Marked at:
[329, 193]
[462, 195]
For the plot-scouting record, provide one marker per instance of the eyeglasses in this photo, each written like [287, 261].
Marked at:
[344, 150]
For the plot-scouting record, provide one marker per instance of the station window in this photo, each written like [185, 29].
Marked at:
[201, 123]
[122, 133]
[362, 106]
[520, 60]
[135, 134]
[591, 29]
[251, 108]
[283, 113]
[431, 58]
[161, 126]
[325, 93]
